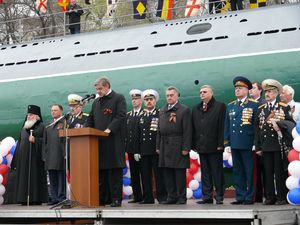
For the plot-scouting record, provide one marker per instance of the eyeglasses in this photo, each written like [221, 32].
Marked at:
[203, 92]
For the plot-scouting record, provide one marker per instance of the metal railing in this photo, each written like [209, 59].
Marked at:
[105, 17]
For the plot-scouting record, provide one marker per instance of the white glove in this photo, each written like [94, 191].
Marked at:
[227, 149]
[253, 148]
[137, 157]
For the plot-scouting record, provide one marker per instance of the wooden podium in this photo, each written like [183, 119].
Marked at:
[84, 165]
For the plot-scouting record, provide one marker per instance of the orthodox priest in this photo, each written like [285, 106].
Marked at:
[29, 163]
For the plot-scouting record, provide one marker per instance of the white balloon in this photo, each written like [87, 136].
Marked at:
[4, 149]
[189, 193]
[1, 159]
[295, 133]
[226, 155]
[9, 142]
[9, 158]
[230, 161]
[1, 179]
[127, 164]
[197, 176]
[296, 144]
[2, 190]
[194, 185]
[294, 168]
[292, 182]
[1, 200]
[127, 190]
[194, 155]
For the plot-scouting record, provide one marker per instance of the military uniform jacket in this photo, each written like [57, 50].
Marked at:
[266, 138]
[147, 131]
[239, 124]
[78, 121]
[174, 135]
[208, 127]
[110, 112]
[131, 131]
[54, 147]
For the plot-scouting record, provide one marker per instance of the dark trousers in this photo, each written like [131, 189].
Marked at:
[214, 3]
[274, 165]
[175, 181]
[75, 29]
[57, 185]
[260, 179]
[149, 166]
[135, 173]
[212, 174]
[110, 185]
[236, 4]
[243, 174]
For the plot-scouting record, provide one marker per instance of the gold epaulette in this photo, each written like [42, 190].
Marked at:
[226, 142]
[283, 104]
[232, 102]
[252, 100]
[263, 105]
[85, 114]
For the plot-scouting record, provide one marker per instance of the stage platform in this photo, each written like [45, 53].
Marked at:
[191, 213]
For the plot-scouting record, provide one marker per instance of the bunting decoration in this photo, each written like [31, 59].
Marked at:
[192, 8]
[139, 9]
[63, 4]
[164, 9]
[41, 5]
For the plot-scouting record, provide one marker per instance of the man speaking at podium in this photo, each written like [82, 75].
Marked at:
[108, 114]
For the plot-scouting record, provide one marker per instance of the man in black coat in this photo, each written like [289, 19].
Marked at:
[108, 113]
[74, 11]
[146, 135]
[132, 120]
[54, 155]
[208, 140]
[29, 154]
[173, 144]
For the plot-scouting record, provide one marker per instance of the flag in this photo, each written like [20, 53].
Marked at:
[41, 5]
[139, 9]
[111, 7]
[192, 8]
[164, 9]
[63, 4]
[225, 6]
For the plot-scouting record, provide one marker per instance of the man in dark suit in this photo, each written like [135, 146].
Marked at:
[267, 143]
[208, 140]
[173, 145]
[239, 138]
[146, 135]
[74, 11]
[108, 113]
[132, 120]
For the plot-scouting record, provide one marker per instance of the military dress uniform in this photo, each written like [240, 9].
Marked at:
[147, 131]
[77, 121]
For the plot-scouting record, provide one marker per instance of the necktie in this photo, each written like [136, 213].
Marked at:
[270, 106]
[169, 107]
[135, 113]
[240, 102]
[204, 107]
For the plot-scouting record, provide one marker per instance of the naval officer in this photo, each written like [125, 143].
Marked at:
[77, 118]
[239, 139]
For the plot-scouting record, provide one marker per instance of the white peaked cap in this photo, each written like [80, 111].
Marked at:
[150, 93]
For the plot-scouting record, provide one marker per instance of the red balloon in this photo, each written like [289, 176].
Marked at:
[293, 155]
[126, 156]
[194, 161]
[194, 168]
[3, 169]
[189, 177]
[4, 182]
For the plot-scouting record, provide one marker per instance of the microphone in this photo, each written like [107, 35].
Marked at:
[67, 115]
[86, 99]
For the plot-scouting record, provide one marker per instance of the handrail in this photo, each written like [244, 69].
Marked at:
[60, 28]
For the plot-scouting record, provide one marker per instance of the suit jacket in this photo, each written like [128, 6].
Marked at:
[239, 124]
[174, 135]
[110, 112]
[208, 127]
[131, 131]
[78, 121]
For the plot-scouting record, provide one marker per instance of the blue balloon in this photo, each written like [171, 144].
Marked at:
[298, 127]
[126, 197]
[294, 196]
[197, 194]
[13, 148]
[125, 169]
[4, 161]
[200, 184]
[226, 164]
[126, 181]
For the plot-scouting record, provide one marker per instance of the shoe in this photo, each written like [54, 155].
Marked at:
[116, 204]
[146, 202]
[181, 202]
[205, 201]
[237, 203]
[219, 202]
[135, 201]
[248, 203]
[269, 202]
[169, 202]
[281, 202]
[52, 203]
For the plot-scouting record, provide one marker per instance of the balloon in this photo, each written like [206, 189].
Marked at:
[3, 169]
[197, 194]
[127, 190]
[298, 127]
[3, 150]
[126, 156]
[292, 182]
[1, 200]
[189, 177]
[189, 193]
[125, 170]
[127, 174]
[4, 182]
[293, 168]
[194, 185]
[193, 168]
[125, 197]
[4, 160]
[2, 190]
[127, 164]
[13, 149]
[295, 133]
[226, 164]
[296, 144]
[1, 159]
[126, 181]
[293, 196]
[194, 155]
[8, 142]
[226, 155]
[197, 176]
[9, 158]
[230, 161]
[293, 155]
[1, 179]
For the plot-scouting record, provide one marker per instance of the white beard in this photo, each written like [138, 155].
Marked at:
[29, 123]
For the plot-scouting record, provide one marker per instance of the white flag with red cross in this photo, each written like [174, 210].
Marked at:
[41, 5]
[192, 8]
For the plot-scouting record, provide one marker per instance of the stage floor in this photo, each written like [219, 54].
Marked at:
[191, 213]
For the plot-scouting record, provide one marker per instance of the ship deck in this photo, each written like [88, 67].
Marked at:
[191, 213]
